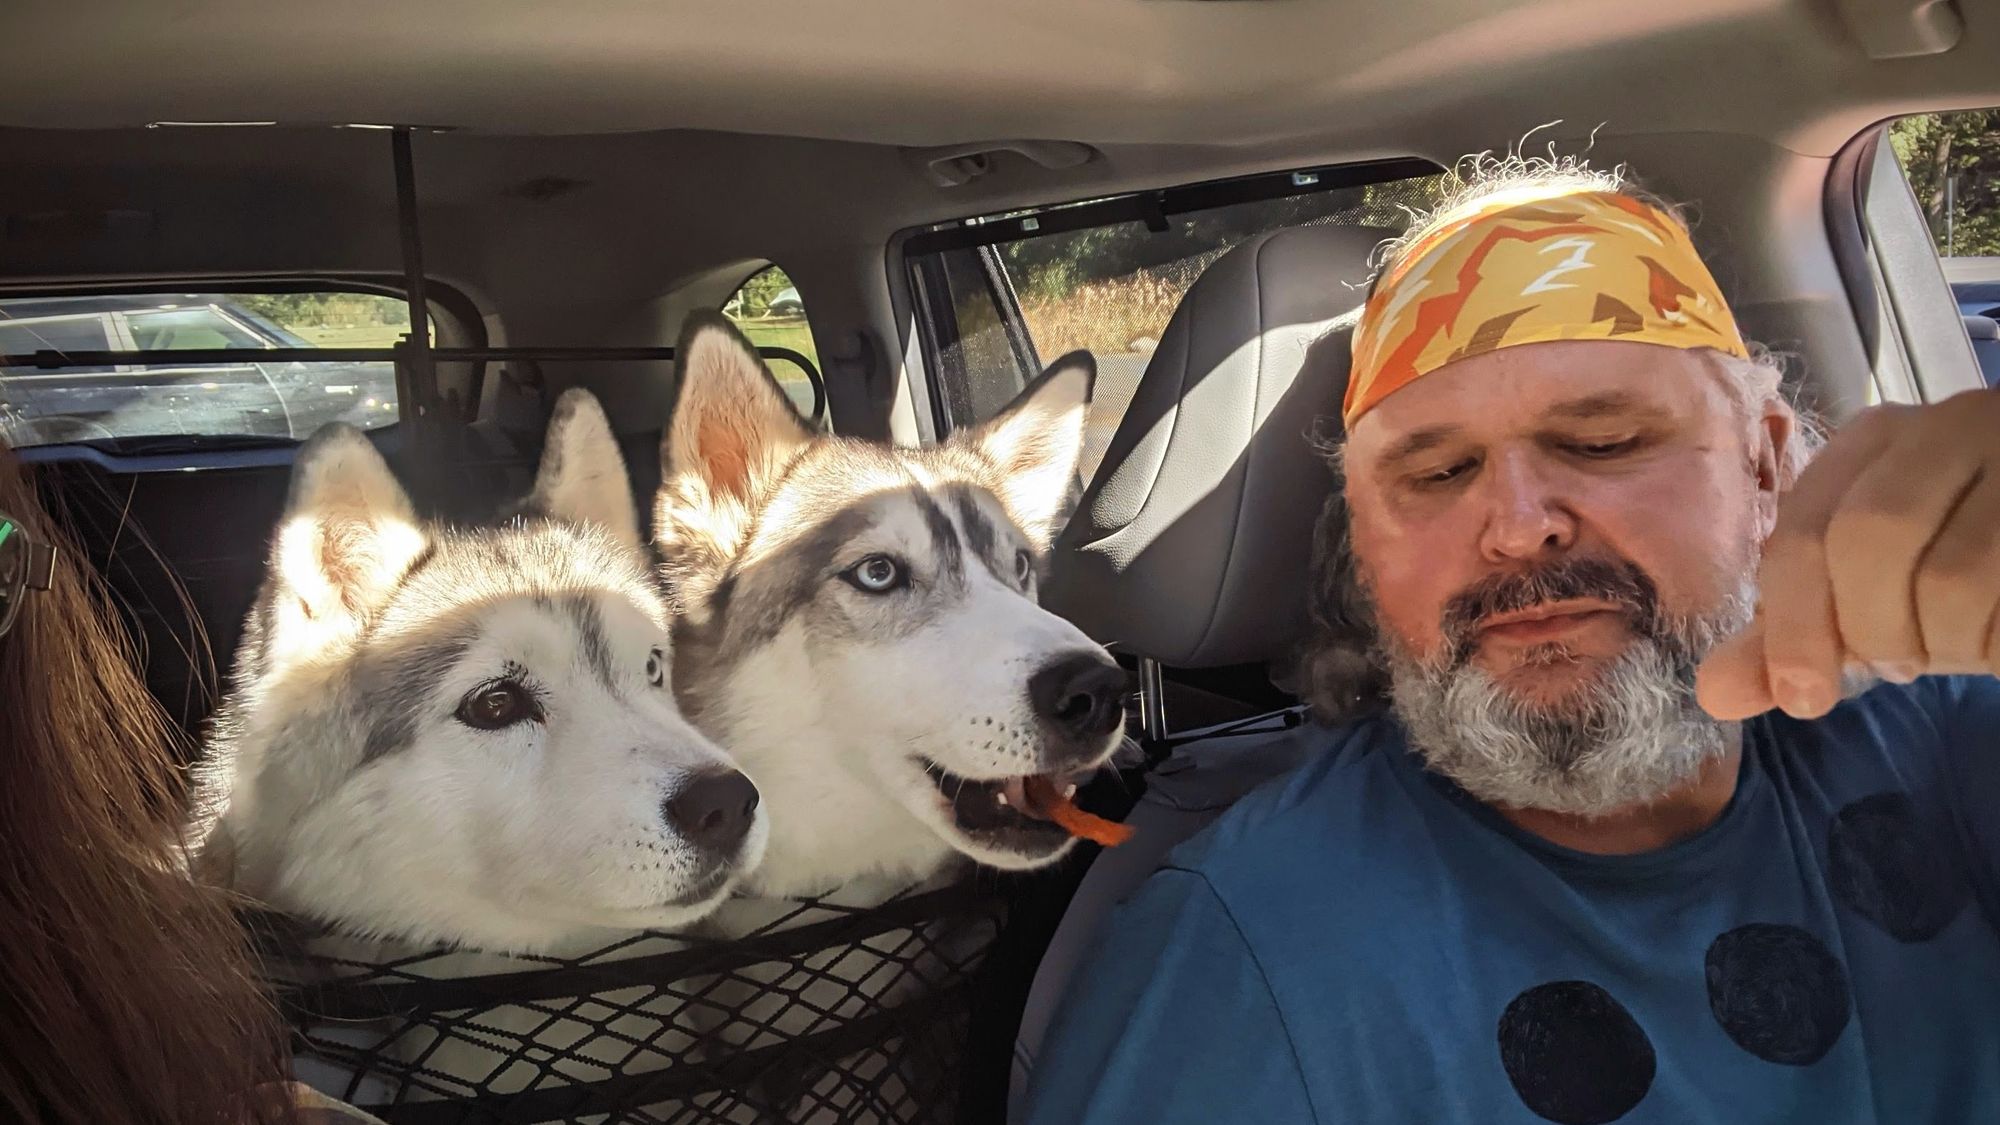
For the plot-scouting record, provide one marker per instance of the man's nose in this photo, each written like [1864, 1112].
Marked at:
[1526, 517]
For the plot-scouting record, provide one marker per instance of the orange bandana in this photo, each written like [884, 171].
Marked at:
[1527, 268]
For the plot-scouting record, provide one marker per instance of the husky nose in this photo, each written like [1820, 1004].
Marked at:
[1080, 696]
[713, 810]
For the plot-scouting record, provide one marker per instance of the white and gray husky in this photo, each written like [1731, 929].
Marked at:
[469, 737]
[857, 624]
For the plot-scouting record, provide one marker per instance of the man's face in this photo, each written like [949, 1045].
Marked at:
[1548, 534]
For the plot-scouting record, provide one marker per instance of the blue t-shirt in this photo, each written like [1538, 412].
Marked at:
[1360, 941]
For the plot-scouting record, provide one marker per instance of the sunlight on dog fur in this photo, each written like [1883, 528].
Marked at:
[858, 623]
[469, 736]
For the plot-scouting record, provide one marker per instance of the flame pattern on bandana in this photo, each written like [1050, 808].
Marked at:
[1529, 267]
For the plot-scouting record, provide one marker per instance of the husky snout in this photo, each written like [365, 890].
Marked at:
[714, 811]
[1079, 700]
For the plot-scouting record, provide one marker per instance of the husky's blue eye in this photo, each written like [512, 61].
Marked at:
[498, 705]
[877, 574]
[1024, 567]
[656, 668]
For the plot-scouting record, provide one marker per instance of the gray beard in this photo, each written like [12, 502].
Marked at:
[1626, 737]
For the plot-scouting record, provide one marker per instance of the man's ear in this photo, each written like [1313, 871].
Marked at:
[1036, 441]
[732, 427]
[582, 478]
[1774, 461]
[348, 536]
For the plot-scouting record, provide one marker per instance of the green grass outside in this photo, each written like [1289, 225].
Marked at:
[792, 333]
[349, 336]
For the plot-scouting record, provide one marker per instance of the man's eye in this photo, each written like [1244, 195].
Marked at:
[1444, 475]
[1602, 449]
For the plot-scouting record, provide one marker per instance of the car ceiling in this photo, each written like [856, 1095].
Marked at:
[602, 154]
[934, 72]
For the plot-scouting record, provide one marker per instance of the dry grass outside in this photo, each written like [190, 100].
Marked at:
[1103, 317]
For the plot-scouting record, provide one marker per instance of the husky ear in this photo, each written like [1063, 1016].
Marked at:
[732, 426]
[582, 478]
[347, 538]
[1036, 441]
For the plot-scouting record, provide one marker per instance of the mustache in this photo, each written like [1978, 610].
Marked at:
[1617, 581]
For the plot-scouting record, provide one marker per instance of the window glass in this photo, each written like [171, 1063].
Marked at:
[1952, 161]
[770, 312]
[81, 333]
[1109, 289]
[205, 327]
[248, 396]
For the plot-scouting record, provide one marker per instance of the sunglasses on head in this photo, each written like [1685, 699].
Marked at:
[24, 565]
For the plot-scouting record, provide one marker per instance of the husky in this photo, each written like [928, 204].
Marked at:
[469, 737]
[857, 624]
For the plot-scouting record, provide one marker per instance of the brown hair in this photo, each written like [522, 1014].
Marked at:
[126, 989]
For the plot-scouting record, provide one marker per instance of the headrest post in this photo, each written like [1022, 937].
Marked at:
[1152, 701]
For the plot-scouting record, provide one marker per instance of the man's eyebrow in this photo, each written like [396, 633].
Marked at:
[1605, 404]
[1418, 441]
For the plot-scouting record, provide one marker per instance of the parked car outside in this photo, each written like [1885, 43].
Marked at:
[279, 401]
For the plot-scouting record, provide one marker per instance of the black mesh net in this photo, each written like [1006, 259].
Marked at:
[817, 1013]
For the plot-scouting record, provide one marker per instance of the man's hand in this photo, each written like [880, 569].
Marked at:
[1886, 554]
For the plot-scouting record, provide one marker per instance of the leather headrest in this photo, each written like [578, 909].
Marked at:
[1191, 543]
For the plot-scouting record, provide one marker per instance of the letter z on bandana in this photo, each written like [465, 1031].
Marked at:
[1530, 267]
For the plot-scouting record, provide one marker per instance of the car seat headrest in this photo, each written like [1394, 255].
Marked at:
[1192, 541]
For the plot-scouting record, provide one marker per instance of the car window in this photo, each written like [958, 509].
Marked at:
[27, 335]
[1952, 161]
[771, 313]
[1009, 306]
[205, 327]
[52, 402]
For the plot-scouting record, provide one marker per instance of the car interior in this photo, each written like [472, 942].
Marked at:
[567, 183]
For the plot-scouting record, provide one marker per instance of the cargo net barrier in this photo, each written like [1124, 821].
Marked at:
[820, 1013]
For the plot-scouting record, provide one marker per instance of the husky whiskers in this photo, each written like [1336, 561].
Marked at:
[858, 623]
[470, 737]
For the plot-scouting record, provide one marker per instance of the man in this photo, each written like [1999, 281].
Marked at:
[1621, 850]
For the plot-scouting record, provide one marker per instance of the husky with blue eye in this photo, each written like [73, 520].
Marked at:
[858, 624]
[470, 737]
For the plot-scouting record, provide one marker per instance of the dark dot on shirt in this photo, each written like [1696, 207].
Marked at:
[1891, 868]
[1574, 1054]
[1778, 992]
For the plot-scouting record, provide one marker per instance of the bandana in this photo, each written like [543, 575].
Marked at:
[1527, 267]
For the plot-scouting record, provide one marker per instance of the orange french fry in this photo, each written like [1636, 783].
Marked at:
[1044, 798]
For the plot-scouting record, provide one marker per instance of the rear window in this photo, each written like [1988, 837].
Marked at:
[771, 314]
[999, 296]
[51, 394]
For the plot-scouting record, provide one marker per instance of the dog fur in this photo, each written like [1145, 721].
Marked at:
[834, 697]
[347, 781]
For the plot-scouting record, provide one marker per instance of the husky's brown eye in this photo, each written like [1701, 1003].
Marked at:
[877, 574]
[1024, 567]
[497, 705]
[656, 668]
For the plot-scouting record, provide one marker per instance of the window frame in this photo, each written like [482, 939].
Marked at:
[819, 416]
[454, 318]
[920, 250]
[1911, 329]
